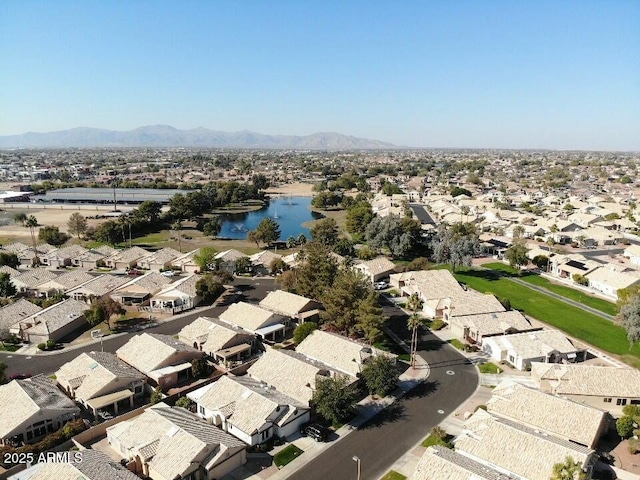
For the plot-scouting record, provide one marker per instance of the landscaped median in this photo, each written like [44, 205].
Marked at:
[574, 321]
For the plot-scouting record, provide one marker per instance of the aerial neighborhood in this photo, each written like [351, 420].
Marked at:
[204, 314]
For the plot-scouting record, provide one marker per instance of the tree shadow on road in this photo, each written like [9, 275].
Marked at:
[392, 413]
[423, 389]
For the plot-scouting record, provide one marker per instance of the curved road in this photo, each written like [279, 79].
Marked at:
[385, 438]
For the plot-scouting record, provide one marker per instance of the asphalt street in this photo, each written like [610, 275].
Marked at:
[379, 443]
[253, 291]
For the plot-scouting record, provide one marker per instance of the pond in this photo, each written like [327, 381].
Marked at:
[289, 212]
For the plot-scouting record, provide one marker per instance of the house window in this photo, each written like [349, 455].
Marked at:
[607, 400]
[635, 402]
[201, 410]
[621, 401]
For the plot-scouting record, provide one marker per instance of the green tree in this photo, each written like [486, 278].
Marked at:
[317, 271]
[107, 232]
[369, 318]
[456, 245]
[52, 235]
[358, 217]
[302, 239]
[9, 259]
[413, 323]
[333, 398]
[456, 191]
[242, 265]
[629, 318]
[3, 373]
[569, 470]
[380, 375]
[213, 227]
[626, 295]
[277, 266]
[268, 230]
[397, 234]
[625, 426]
[7, 289]
[206, 259]
[156, 396]
[367, 253]
[184, 402]
[341, 300]
[177, 227]
[20, 218]
[96, 314]
[254, 237]
[541, 261]
[77, 224]
[303, 330]
[325, 231]
[291, 242]
[199, 368]
[209, 288]
[31, 223]
[516, 254]
[148, 212]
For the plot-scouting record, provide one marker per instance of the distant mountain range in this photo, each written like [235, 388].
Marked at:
[167, 136]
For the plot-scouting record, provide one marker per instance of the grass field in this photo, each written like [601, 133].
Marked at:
[567, 292]
[585, 326]
[393, 475]
[287, 455]
[489, 368]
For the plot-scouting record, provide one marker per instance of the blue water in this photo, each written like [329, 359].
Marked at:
[290, 213]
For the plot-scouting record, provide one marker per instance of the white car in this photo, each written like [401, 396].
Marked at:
[169, 273]
[381, 285]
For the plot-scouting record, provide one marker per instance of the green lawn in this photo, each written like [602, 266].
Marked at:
[457, 343]
[286, 455]
[388, 345]
[393, 475]
[432, 440]
[9, 348]
[489, 368]
[585, 326]
[155, 237]
[567, 292]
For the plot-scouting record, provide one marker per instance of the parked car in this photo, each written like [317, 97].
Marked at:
[381, 285]
[169, 273]
[20, 376]
[134, 272]
[315, 431]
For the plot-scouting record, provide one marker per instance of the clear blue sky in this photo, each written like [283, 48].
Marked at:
[504, 74]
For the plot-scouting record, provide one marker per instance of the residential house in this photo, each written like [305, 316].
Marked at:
[290, 373]
[607, 281]
[62, 257]
[87, 464]
[291, 305]
[31, 409]
[126, 259]
[492, 440]
[558, 416]
[12, 313]
[52, 323]
[177, 297]
[340, 353]
[186, 262]
[62, 283]
[28, 282]
[263, 260]
[28, 255]
[100, 380]
[608, 388]
[566, 266]
[139, 290]
[249, 410]
[165, 443]
[439, 462]
[254, 319]
[521, 349]
[474, 328]
[159, 260]
[227, 260]
[162, 358]
[12, 272]
[96, 287]
[219, 340]
[15, 247]
[632, 252]
[93, 258]
[376, 269]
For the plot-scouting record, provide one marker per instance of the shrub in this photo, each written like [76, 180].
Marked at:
[624, 426]
[42, 346]
[51, 344]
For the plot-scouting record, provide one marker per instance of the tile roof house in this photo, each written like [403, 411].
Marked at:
[162, 358]
[566, 266]
[632, 252]
[96, 287]
[140, 289]
[12, 313]
[262, 261]
[218, 339]
[100, 379]
[159, 260]
[473, 328]
[36, 408]
[186, 262]
[62, 257]
[52, 323]
[177, 297]
[127, 258]
[12, 272]
[288, 304]
[442, 295]
[442, 463]
[521, 349]
[15, 247]
[490, 439]
[249, 410]
[607, 281]
[28, 281]
[171, 442]
[608, 388]
[376, 269]
[90, 259]
[62, 283]
[227, 259]
[254, 319]
[289, 373]
[558, 416]
[84, 465]
[338, 352]
[28, 255]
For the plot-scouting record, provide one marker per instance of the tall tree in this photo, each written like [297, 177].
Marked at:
[380, 375]
[456, 245]
[629, 317]
[415, 321]
[333, 398]
[213, 227]
[516, 254]
[392, 232]
[77, 224]
[7, 289]
[253, 237]
[569, 470]
[9, 259]
[316, 272]
[205, 259]
[370, 318]
[177, 227]
[31, 223]
[209, 288]
[358, 217]
[325, 231]
[268, 230]
[108, 232]
[341, 300]
[20, 218]
[52, 235]
[148, 211]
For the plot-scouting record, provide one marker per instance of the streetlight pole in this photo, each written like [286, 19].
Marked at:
[357, 460]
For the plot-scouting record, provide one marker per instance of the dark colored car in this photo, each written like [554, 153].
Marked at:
[135, 273]
[315, 431]
[20, 376]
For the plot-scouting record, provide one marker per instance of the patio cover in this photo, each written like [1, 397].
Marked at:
[232, 351]
[109, 399]
[263, 332]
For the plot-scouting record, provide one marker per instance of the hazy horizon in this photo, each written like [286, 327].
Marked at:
[553, 75]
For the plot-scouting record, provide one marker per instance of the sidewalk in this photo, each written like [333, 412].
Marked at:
[368, 408]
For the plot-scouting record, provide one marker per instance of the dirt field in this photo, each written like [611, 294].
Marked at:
[293, 189]
[57, 218]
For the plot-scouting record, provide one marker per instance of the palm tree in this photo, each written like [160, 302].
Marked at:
[177, 226]
[415, 320]
[31, 222]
